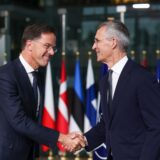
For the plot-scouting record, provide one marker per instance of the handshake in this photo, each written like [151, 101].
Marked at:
[73, 141]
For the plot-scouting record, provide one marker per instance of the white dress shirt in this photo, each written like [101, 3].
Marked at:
[28, 68]
[117, 69]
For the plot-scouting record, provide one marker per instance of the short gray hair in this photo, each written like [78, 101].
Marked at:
[119, 31]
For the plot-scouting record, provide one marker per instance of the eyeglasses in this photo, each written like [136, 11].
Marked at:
[48, 46]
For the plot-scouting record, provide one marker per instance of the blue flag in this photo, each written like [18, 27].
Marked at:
[100, 153]
[91, 104]
[77, 108]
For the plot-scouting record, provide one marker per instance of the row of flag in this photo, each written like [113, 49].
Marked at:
[144, 59]
[144, 62]
[79, 116]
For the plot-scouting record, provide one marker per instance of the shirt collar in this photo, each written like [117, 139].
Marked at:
[26, 65]
[117, 68]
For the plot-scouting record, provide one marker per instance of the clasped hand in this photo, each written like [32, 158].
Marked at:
[73, 141]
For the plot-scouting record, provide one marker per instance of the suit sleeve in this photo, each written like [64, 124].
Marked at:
[11, 106]
[96, 135]
[149, 102]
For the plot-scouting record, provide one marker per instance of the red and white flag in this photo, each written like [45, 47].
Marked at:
[62, 123]
[48, 117]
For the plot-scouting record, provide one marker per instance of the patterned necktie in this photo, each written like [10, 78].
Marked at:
[109, 90]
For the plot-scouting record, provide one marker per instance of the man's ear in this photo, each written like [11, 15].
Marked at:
[114, 43]
[29, 45]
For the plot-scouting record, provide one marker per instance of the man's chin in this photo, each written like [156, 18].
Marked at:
[45, 63]
[47, 60]
[98, 59]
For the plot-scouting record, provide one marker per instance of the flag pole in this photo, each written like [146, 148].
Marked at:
[50, 157]
[89, 54]
[90, 156]
[63, 55]
[132, 54]
[77, 54]
[63, 12]
[77, 157]
[158, 53]
[144, 52]
[63, 156]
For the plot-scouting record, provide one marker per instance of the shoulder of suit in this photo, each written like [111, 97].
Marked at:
[139, 72]
[9, 68]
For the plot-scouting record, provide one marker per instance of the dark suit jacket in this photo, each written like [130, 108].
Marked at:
[132, 130]
[19, 128]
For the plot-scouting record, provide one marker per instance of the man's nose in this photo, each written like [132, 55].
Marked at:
[51, 51]
[94, 46]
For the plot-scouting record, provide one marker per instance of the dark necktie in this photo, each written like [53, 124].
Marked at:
[35, 85]
[35, 89]
[109, 90]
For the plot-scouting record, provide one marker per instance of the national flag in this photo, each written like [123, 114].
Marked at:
[144, 61]
[48, 116]
[77, 108]
[100, 153]
[91, 105]
[158, 66]
[62, 124]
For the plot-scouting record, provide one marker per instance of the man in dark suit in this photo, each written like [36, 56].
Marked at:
[20, 109]
[130, 120]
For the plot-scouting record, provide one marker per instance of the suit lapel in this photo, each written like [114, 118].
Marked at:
[103, 90]
[25, 85]
[120, 88]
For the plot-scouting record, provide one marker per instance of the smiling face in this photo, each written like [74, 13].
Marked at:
[40, 50]
[102, 45]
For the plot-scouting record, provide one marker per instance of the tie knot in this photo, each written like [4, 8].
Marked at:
[35, 74]
[110, 71]
[110, 76]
